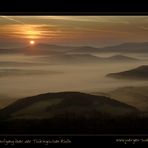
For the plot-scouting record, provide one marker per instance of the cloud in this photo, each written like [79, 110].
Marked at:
[11, 19]
[68, 19]
[74, 28]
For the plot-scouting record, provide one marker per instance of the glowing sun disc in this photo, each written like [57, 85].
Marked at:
[32, 42]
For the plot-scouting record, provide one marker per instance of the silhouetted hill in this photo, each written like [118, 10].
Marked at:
[85, 58]
[43, 49]
[6, 100]
[73, 58]
[57, 104]
[85, 49]
[71, 113]
[129, 47]
[37, 49]
[141, 47]
[11, 51]
[120, 58]
[55, 47]
[137, 73]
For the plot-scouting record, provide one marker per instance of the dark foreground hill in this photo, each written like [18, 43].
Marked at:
[54, 104]
[137, 73]
[70, 113]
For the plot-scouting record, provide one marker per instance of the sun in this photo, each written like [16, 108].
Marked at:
[32, 42]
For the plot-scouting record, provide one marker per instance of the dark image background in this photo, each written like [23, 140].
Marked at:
[87, 7]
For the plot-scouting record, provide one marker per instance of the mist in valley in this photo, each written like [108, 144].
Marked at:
[20, 79]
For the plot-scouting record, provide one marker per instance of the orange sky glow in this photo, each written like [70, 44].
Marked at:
[74, 30]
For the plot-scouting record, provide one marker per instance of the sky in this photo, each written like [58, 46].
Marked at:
[97, 31]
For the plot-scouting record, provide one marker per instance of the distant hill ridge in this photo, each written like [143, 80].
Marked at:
[137, 73]
[139, 47]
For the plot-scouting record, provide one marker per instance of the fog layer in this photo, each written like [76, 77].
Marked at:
[61, 77]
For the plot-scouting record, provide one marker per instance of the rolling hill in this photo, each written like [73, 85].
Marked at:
[44, 49]
[71, 113]
[85, 58]
[136, 47]
[72, 59]
[38, 49]
[121, 58]
[84, 49]
[137, 73]
[51, 105]
[141, 47]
